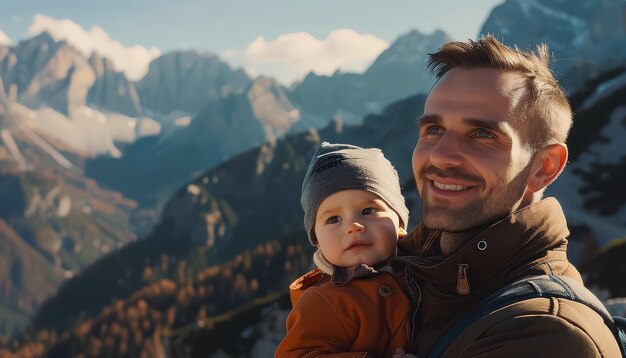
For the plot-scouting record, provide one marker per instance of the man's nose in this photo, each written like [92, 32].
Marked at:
[447, 152]
[354, 227]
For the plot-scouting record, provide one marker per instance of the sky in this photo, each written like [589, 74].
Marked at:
[284, 39]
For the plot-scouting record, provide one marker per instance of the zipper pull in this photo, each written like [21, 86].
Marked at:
[462, 282]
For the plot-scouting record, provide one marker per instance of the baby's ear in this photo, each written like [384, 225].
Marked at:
[402, 232]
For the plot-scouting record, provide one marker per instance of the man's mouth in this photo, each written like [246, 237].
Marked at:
[449, 187]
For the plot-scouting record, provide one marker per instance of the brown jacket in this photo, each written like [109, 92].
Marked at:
[532, 241]
[357, 313]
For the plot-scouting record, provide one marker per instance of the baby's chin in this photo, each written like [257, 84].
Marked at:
[372, 262]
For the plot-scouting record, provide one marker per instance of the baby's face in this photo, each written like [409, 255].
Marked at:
[356, 227]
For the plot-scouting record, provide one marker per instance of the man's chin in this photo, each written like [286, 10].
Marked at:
[447, 220]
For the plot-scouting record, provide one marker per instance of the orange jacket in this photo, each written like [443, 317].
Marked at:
[362, 315]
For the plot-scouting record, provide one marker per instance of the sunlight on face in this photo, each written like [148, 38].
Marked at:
[469, 164]
[356, 227]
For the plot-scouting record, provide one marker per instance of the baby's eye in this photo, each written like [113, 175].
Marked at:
[333, 220]
[369, 211]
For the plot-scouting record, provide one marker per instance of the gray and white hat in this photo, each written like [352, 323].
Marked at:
[336, 167]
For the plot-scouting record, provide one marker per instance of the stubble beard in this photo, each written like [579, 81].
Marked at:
[486, 209]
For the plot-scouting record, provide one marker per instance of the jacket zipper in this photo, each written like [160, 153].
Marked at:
[416, 298]
[462, 282]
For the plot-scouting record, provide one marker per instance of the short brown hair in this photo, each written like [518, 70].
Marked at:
[547, 112]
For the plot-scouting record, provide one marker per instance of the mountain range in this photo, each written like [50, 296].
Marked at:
[260, 111]
[586, 37]
[225, 213]
[205, 164]
[80, 139]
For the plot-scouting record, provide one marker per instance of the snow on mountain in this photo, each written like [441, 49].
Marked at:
[579, 33]
[87, 132]
[589, 189]
[147, 127]
[14, 150]
[536, 12]
[604, 90]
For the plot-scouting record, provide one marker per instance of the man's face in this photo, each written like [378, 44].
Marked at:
[469, 164]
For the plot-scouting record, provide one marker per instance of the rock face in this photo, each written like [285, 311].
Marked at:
[397, 73]
[41, 71]
[111, 90]
[27, 278]
[272, 108]
[221, 129]
[227, 114]
[56, 92]
[585, 35]
[400, 71]
[186, 81]
[53, 221]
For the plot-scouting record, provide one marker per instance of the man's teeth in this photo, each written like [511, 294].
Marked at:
[449, 186]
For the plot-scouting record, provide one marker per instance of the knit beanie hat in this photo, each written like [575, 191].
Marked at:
[336, 167]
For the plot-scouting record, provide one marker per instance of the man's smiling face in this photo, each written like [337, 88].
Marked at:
[469, 163]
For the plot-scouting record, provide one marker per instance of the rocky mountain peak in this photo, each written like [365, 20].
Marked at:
[271, 106]
[112, 90]
[415, 42]
[410, 49]
[186, 81]
[40, 71]
[398, 72]
[578, 33]
[100, 64]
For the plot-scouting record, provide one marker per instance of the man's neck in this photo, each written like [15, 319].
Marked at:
[451, 241]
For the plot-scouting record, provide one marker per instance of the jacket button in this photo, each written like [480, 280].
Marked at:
[384, 290]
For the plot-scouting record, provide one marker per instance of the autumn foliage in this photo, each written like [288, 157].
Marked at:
[177, 298]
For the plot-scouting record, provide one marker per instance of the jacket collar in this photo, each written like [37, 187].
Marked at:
[343, 275]
[503, 250]
[340, 276]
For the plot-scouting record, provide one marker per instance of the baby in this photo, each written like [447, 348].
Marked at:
[353, 302]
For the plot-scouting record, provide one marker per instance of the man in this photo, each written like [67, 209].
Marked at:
[491, 139]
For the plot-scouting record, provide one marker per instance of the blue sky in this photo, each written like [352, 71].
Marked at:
[228, 28]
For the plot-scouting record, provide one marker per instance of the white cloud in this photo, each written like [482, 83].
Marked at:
[237, 60]
[291, 56]
[132, 60]
[229, 54]
[4, 39]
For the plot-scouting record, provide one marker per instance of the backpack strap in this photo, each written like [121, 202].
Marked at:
[525, 289]
[620, 327]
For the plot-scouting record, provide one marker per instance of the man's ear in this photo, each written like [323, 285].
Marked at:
[547, 165]
[402, 232]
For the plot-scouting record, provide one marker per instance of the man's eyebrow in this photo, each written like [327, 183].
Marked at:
[494, 126]
[428, 119]
[501, 127]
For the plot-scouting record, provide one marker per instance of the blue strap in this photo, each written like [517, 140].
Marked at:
[620, 326]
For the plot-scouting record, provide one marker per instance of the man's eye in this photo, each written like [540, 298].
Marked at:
[483, 134]
[369, 211]
[434, 130]
[333, 220]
